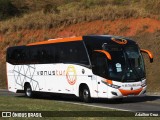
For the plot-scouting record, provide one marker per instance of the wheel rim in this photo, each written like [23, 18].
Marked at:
[28, 92]
[85, 94]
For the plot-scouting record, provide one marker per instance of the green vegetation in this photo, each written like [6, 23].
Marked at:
[8, 103]
[3, 83]
[46, 14]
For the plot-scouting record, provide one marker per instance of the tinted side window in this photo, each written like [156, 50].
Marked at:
[42, 54]
[8, 56]
[69, 52]
[72, 52]
[17, 55]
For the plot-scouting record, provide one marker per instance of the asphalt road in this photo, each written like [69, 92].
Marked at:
[149, 103]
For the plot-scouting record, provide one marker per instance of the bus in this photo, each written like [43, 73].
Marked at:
[91, 66]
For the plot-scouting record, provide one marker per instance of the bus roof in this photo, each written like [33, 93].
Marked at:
[58, 40]
[110, 39]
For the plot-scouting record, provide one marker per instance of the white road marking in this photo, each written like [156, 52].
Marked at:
[94, 106]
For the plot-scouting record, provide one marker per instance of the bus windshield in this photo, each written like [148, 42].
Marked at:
[127, 64]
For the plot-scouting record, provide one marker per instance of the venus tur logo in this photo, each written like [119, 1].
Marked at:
[71, 75]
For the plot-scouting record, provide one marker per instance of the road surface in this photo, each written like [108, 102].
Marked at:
[149, 103]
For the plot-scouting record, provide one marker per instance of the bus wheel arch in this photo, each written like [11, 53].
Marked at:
[28, 90]
[84, 93]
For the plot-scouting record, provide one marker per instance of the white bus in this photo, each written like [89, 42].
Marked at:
[101, 66]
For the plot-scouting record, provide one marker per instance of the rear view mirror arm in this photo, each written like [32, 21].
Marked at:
[149, 54]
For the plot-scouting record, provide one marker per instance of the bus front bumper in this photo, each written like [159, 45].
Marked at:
[121, 93]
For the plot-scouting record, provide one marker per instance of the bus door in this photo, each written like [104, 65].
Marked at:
[100, 69]
[94, 85]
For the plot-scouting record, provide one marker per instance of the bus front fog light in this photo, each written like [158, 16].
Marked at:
[114, 93]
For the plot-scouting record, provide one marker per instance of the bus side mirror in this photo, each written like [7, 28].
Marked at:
[107, 54]
[149, 54]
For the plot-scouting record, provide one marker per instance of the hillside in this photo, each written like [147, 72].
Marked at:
[37, 20]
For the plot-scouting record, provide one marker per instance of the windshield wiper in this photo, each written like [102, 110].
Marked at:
[125, 69]
[133, 68]
[124, 74]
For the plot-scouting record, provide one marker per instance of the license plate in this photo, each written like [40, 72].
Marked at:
[130, 95]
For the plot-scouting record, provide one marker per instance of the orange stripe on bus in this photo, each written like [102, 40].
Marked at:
[58, 40]
[109, 82]
[130, 92]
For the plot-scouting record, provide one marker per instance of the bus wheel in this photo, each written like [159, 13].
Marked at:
[28, 91]
[86, 95]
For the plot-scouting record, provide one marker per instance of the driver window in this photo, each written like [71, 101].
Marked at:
[99, 62]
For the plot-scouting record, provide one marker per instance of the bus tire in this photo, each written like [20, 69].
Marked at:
[86, 94]
[28, 91]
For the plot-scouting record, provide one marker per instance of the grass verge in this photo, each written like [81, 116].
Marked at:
[11, 103]
[54, 14]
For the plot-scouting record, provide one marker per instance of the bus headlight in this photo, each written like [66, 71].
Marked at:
[114, 86]
[111, 85]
